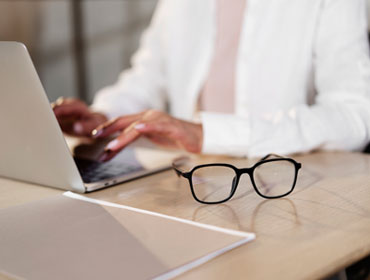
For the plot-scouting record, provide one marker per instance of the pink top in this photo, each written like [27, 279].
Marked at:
[219, 90]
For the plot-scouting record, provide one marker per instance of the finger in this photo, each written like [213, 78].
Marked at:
[115, 125]
[85, 126]
[126, 137]
[75, 110]
[183, 135]
[58, 102]
[165, 134]
[158, 128]
[67, 125]
[107, 155]
[68, 107]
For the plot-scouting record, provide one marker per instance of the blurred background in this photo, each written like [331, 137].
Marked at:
[78, 46]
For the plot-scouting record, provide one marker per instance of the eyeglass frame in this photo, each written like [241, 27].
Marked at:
[239, 172]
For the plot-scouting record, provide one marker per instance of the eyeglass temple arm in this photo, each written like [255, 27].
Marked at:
[178, 172]
[270, 155]
[176, 166]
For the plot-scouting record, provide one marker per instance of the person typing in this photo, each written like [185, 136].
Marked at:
[241, 78]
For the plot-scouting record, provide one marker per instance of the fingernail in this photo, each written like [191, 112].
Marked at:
[78, 127]
[96, 132]
[59, 101]
[112, 145]
[104, 156]
[139, 126]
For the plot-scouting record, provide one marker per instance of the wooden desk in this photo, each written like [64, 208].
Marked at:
[322, 227]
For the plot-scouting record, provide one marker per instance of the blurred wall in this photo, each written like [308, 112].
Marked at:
[110, 29]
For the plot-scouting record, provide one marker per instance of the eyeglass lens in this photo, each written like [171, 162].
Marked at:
[274, 178]
[213, 183]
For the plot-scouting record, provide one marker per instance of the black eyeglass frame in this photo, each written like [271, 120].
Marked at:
[239, 172]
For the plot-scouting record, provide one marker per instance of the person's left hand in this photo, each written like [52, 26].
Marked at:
[157, 126]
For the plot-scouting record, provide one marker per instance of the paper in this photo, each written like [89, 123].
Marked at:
[74, 237]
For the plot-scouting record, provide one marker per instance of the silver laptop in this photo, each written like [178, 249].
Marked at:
[32, 145]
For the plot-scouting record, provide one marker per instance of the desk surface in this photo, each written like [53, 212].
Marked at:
[322, 227]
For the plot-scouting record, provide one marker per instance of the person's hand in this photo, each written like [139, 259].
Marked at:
[75, 117]
[157, 126]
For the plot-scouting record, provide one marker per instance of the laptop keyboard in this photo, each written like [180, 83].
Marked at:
[93, 171]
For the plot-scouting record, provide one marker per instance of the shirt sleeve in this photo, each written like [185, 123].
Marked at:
[340, 117]
[143, 85]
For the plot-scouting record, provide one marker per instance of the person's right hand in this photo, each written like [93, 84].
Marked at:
[75, 117]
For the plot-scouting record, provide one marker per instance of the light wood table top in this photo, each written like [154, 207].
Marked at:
[322, 227]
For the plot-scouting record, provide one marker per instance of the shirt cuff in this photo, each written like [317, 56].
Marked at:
[225, 134]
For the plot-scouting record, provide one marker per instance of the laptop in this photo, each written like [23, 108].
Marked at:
[34, 149]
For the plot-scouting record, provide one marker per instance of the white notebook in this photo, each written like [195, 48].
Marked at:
[74, 237]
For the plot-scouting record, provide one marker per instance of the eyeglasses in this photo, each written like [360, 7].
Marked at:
[272, 177]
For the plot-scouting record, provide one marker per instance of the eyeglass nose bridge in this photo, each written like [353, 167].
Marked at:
[248, 171]
[236, 179]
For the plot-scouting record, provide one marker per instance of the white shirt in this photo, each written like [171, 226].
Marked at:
[302, 78]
